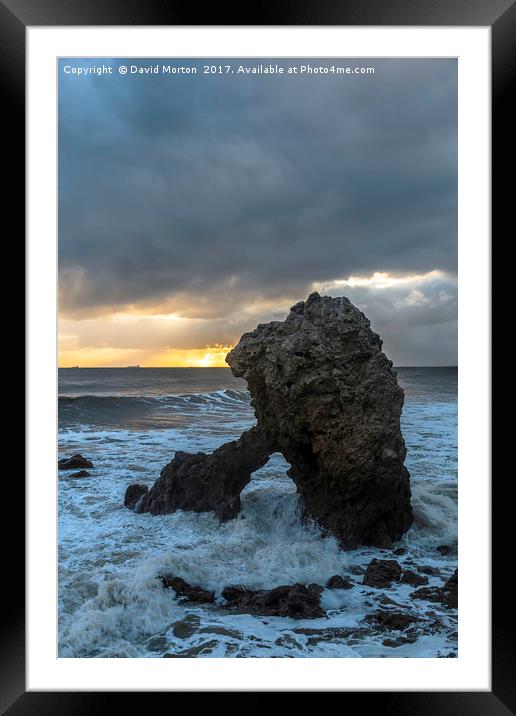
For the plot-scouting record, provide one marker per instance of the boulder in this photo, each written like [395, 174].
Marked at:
[296, 601]
[399, 551]
[338, 582]
[391, 620]
[81, 473]
[415, 580]
[381, 573]
[133, 494]
[186, 591]
[327, 398]
[431, 571]
[74, 462]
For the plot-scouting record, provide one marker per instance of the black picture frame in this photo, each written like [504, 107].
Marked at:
[500, 16]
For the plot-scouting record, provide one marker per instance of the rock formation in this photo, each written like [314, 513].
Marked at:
[296, 601]
[327, 398]
[133, 494]
[186, 592]
[338, 582]
[448, 594]
[415, 580]
[72, 463]
[381, 573]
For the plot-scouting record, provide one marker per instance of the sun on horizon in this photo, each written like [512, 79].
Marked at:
[208, 357]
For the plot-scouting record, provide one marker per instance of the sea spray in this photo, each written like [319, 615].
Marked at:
[112, 603]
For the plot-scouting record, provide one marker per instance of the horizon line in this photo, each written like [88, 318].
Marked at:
[199, 367]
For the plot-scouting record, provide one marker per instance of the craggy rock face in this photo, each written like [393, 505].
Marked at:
[326, 397]
[326, 394]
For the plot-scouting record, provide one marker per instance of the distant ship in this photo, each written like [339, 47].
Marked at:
[74, 366]
[132, 366]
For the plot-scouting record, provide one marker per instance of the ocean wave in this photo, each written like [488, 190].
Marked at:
[127, 410]
[113, 605]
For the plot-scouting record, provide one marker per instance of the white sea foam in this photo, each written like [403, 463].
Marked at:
[113, 604]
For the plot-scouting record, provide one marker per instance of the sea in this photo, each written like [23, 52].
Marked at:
[130, 422]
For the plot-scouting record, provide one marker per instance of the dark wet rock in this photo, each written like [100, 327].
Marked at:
[415, 580]
[133, 494]
[381, 573]
[357, 570]
[157, 643]
[350, 635]
[401, 550]
[431, 571]
[288, 641]
[451, 590]
[74, 462]
[338, 582]
[430, 594]
[400, 640]
[208, 482]
[205, 648]
[81, 473]
[221, 631]
[444, 549]
[447, 595]
[327, 398]
[316, 588]
[184, 629]
[186, 591]
[387, 601]
[391, 620]
[295, 601]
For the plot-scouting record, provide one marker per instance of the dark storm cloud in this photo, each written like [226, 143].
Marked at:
[200, 192]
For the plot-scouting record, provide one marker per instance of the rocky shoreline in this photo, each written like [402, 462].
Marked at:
[389, 620]
[303, 601]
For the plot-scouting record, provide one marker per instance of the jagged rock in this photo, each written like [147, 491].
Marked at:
[133, 495]
[381, 573]
[185, 628]
[447, 594]
[401, 550]
[338, 582]
[187, 591]
[451, 590]
[81, 473]
[352, 635]
[327, 398]
[74, 462]
[295, 601]
[205, 648]
[316, 588]
[201, 482]
[415, 580]
[400, 640]
[431, 571]
[391, 620]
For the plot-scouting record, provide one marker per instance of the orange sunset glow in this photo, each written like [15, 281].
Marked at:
[209, 357]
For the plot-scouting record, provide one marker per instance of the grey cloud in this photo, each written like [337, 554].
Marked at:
[418, 323]
[206, 193]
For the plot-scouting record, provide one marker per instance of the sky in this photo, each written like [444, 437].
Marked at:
[193, 207]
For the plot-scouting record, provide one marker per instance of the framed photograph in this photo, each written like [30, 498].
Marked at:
[258, 365]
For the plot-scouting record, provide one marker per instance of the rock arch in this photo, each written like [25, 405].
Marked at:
[327, 398]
